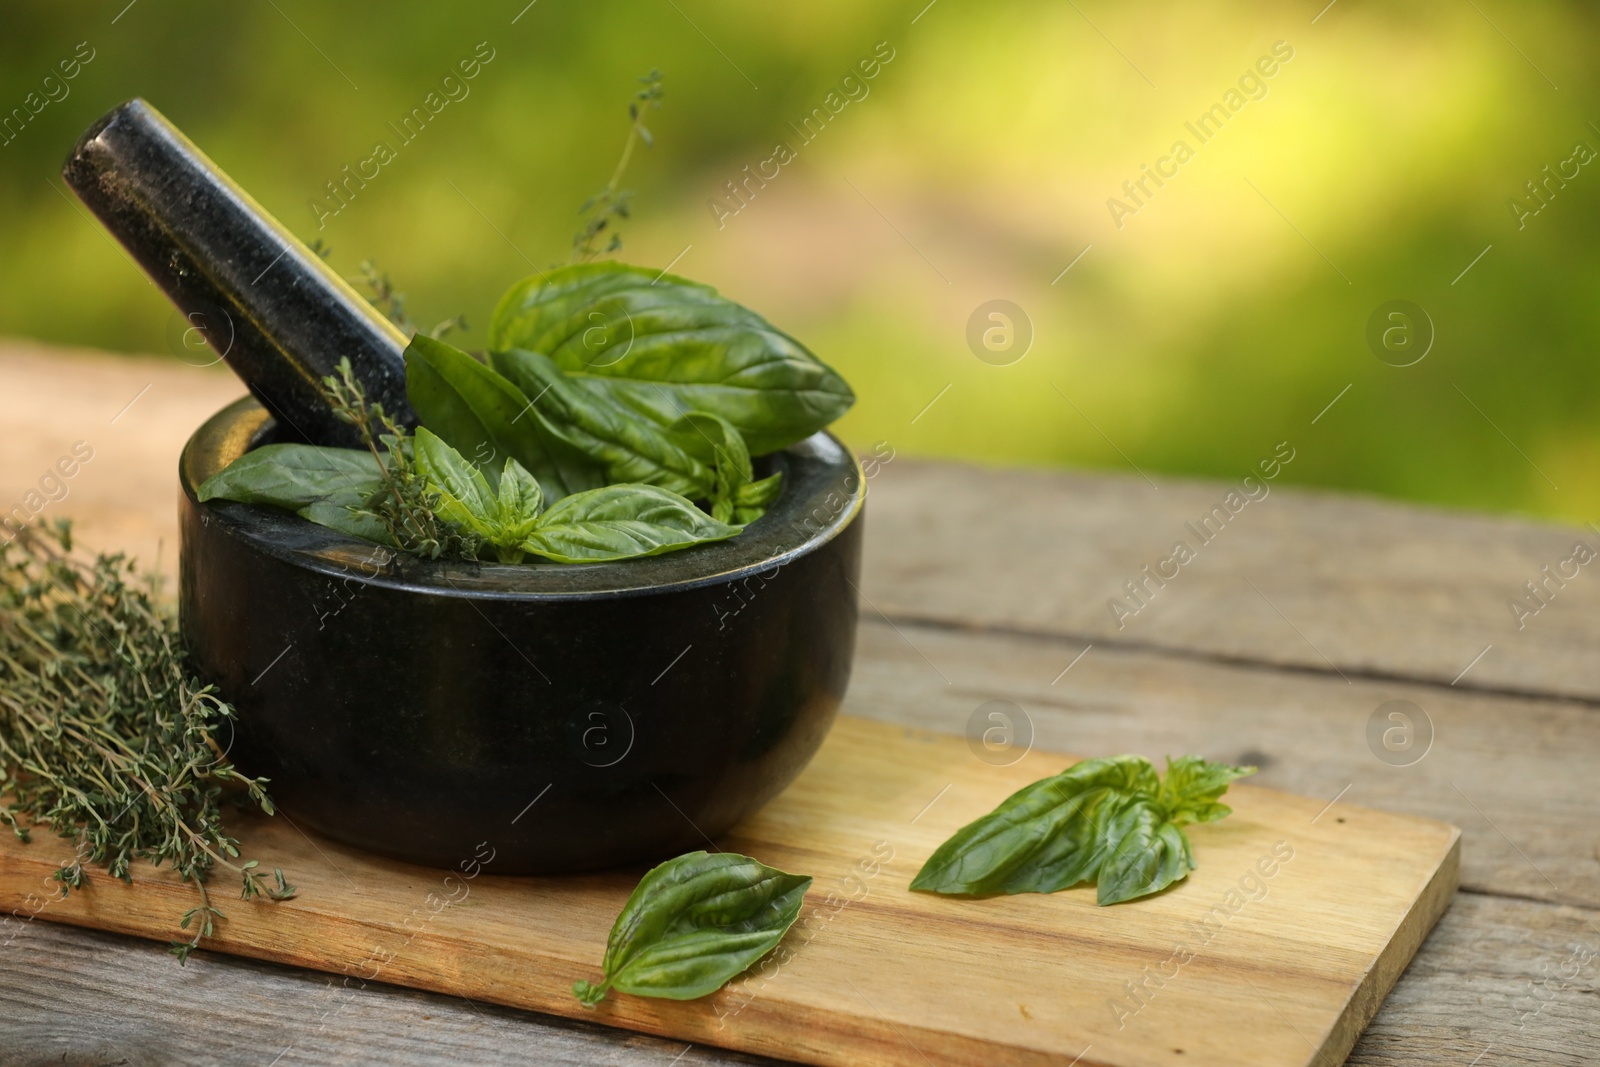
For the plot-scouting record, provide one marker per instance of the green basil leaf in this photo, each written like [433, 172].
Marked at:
[751, 500]
[1046, 836]
[737, 496]
[464, 494]
[631, 448]
[517, 512]
[621, 522]
[355, 521]
[1149, 853]
[720, 444]
[1106, 820]
[520, 499]
[717, 442]
[294, 476]
[329, 486]
[759, 494]
[486, 418]
[1192, 785]
[694, 923]
[665, 346]
[503, 517]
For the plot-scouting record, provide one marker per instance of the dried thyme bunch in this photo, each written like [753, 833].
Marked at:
[105, 737]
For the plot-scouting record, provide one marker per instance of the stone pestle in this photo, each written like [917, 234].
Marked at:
[269, 306]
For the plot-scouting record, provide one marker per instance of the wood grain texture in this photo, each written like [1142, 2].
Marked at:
[1341, 582]
[236, 1010]
[1499, 982]
[1294, 928]
[1495, 974]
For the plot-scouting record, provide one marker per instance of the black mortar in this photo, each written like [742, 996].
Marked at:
[571, 716]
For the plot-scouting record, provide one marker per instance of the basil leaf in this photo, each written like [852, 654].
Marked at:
[632, 448]
[1107, 820]
[486, 418]
[722, 446]
[737, 496]
[621, 522]
[329, 486]
[347, 519]
[503, 518]
[1192, 785]
[751, 499]
[664, 346]
[520, 499]
[464, 494]
[1046, 836]
[516, 512]
[695, 922]
[294, 476]
[1150, 854]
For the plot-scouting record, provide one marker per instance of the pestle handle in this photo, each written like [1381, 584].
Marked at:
[268, 305]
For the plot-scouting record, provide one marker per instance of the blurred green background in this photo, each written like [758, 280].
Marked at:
[1220, 319]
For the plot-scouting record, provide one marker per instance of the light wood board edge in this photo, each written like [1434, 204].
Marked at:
[1397, 954]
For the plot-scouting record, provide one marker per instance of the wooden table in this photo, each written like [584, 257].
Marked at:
[1274, 646]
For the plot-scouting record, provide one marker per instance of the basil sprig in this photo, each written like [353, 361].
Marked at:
[734, 493]
[614, 397]
[627, 446]
[483, 415]
[694, 923]
[666, 346]
[621, 522]
[1111, 821]
[595, 526]
[504, 516]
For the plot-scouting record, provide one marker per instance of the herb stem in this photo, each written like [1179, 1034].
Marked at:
[627, 154]
[611, 202]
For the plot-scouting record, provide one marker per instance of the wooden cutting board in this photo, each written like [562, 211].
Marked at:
[1277, 951]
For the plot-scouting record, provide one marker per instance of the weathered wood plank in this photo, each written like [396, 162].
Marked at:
[1516, 775]
[1341, 582]
[1519, 976]
[1500, 982]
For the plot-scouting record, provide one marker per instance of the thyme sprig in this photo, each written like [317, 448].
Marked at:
[407, 506]
[611, 203]
[382, 294]
[105, 736]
